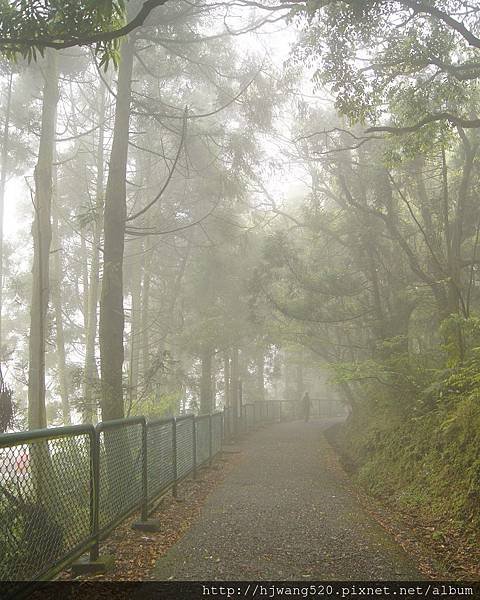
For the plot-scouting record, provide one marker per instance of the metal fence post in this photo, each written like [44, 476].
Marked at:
[95, 493]
[174, 456]
[194, 447]
[144, 516]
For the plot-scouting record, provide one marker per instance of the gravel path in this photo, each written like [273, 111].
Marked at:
[285, 512]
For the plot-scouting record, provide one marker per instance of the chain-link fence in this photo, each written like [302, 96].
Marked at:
[202, 431]
[323, 408]
[217, 432]
[229, 421]
[287, 410]
[46, 487]
[160, 456]
[185, 455]
[63, 490]
[327, 408]
[120, 484]
[248, 415]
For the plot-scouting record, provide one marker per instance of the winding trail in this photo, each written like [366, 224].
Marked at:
[285, 512]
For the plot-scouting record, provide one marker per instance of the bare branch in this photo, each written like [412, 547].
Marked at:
[170, 174]
[433, 118]
[421, 6]
[139, 231]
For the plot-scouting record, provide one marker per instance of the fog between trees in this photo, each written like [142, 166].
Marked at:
[204, 212]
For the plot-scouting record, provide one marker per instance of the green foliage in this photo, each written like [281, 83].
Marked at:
[7, 407]
[460, 336]
[26, 26]
[422, 453]
[362, 280]
[385, 63]
[159, 404]
[428, 464]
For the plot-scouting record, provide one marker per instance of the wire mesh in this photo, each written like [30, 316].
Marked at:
[229, 421]
[260, 412]
[48, 500]
[287, 410]
[315, 407]
[45, 486]
[121, 455]
[325, 408]
[269, 412]
[269, 409]
[160, 469]
[249, 416]
[321, 407]
[278, 411]
[184, 446]
[202, 431]
[273, 411]
[217, 432]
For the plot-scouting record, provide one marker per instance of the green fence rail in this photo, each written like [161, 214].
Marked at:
[63, 490]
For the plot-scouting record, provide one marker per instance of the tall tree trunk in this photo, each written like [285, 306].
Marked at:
[288, 376]
[300, 385]
[226, 379]
[56, 286]
[213, 407]
[145, 307]
[111, 302]
[90, 381]
[135, 322]
[146, 274]
[3, 181]
[260, 373]
[85, 281]
[234, 377]
[206, 382]
[42, 235]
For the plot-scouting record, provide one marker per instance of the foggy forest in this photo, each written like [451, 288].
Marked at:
[240, 291]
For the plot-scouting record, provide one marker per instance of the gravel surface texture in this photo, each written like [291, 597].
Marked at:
[285, 512]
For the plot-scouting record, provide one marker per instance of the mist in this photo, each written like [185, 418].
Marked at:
[239, 245]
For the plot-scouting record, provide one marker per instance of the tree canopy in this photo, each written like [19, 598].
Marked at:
[241, 200]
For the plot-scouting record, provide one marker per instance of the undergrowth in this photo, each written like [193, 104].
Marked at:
[414, 441]
[418, 465]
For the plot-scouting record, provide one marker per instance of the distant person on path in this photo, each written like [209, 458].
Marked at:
[306, 403]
